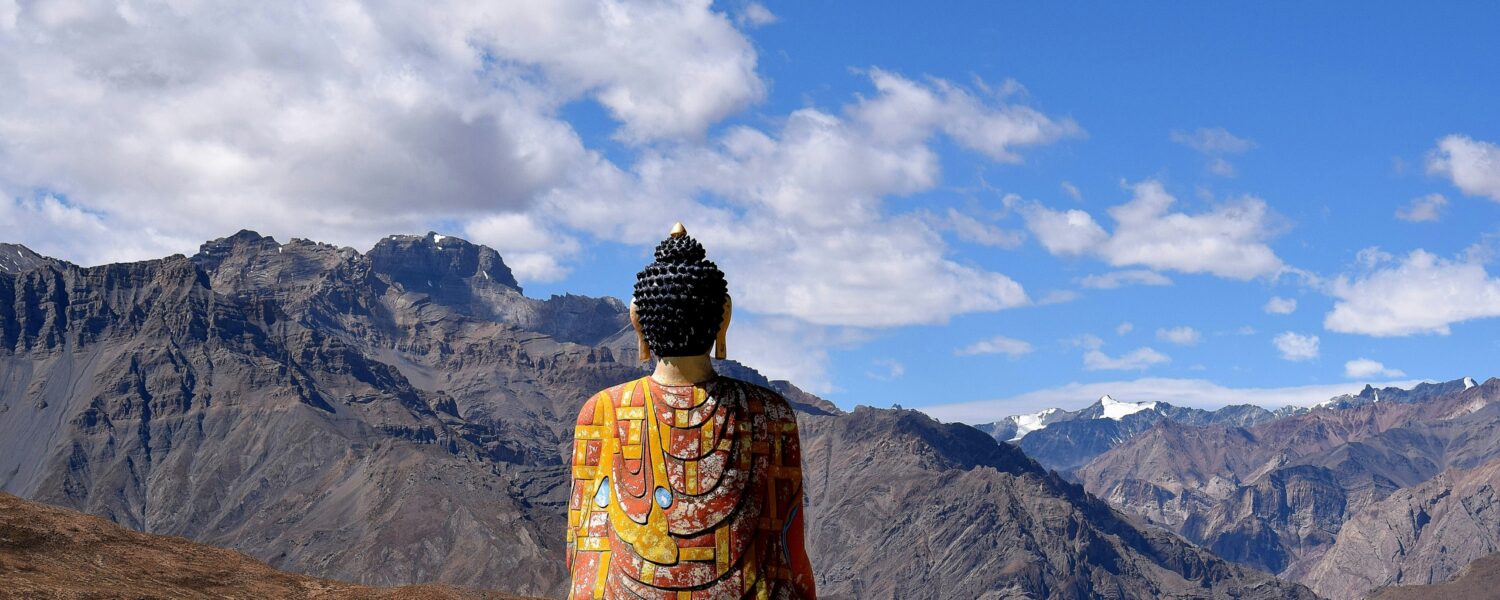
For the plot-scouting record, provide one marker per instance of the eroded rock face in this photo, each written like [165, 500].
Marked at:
[330, 413]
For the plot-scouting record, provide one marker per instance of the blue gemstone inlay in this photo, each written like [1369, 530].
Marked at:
[663, 497]
[601, 496]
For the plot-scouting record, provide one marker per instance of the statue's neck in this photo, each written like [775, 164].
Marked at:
[683, 370]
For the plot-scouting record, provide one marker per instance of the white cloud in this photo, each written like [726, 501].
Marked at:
[345, 122]
[1212, 140]
[906, 111]
[1421, 293]
[1182, 336]
[999, 344]
[1196, 393]
[1424, 209]
[800, 222]
[341, 122]
[1472, 165]
[1296, 347]
[1228, 241]
[1124, 328]
[1069, 232]
[1361, 368]
[1116, 279]
[1280, 306]
[1135, 360]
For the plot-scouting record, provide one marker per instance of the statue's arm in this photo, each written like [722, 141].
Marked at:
[582, 558]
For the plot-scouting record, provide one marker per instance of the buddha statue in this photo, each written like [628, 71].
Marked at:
[686, 484]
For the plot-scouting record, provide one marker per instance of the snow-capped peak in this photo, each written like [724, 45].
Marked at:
[1469, 382]
[437, 237]
[1115, 409]
[1028, 423]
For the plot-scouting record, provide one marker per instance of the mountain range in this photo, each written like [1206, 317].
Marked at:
[1065, 440]
[400, 416]
[1351, 496]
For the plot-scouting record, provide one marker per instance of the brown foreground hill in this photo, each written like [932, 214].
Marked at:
[1480, 580]
[49, 552]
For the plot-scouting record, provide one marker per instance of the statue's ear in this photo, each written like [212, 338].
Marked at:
[642, 348]
[719, 351]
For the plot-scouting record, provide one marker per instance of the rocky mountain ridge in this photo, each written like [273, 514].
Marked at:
[1065, 440]
[400, 416]
[1345, 498]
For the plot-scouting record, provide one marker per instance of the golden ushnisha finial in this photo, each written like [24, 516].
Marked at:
[678, 230]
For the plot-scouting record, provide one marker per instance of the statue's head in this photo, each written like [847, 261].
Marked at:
[681, 305]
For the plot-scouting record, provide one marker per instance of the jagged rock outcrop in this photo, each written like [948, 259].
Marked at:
[15, 258]
[331, 413]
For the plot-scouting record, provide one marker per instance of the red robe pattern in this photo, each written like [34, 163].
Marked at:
[687, 492]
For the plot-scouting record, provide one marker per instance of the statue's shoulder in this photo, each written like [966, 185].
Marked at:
[589, 412]
[772, 402]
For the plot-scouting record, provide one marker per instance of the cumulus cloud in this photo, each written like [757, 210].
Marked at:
[1361, 368]
[1116, 279]
[1124, 328]
[1198, 393]
[999, 344]
[1420, 293]
[1295, 346]
[801, 221]
[1228, 241]
[1182, 336]
[1280, 306]
[1139, 359]
[340, 121]
[1472, 165]
[346, 122]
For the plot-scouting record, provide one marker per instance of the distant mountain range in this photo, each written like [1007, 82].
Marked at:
[1065, 440]
[400, 415]
[1385, 487]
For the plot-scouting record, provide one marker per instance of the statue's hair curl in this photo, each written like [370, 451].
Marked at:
[679, 299]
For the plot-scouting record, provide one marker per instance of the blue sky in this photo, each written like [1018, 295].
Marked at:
[915, 205]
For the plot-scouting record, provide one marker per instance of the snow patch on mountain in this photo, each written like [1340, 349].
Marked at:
[1028, 423]
[1469, 382]
[1115, 409]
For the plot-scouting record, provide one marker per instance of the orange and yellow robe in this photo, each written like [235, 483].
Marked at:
[690, 492]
